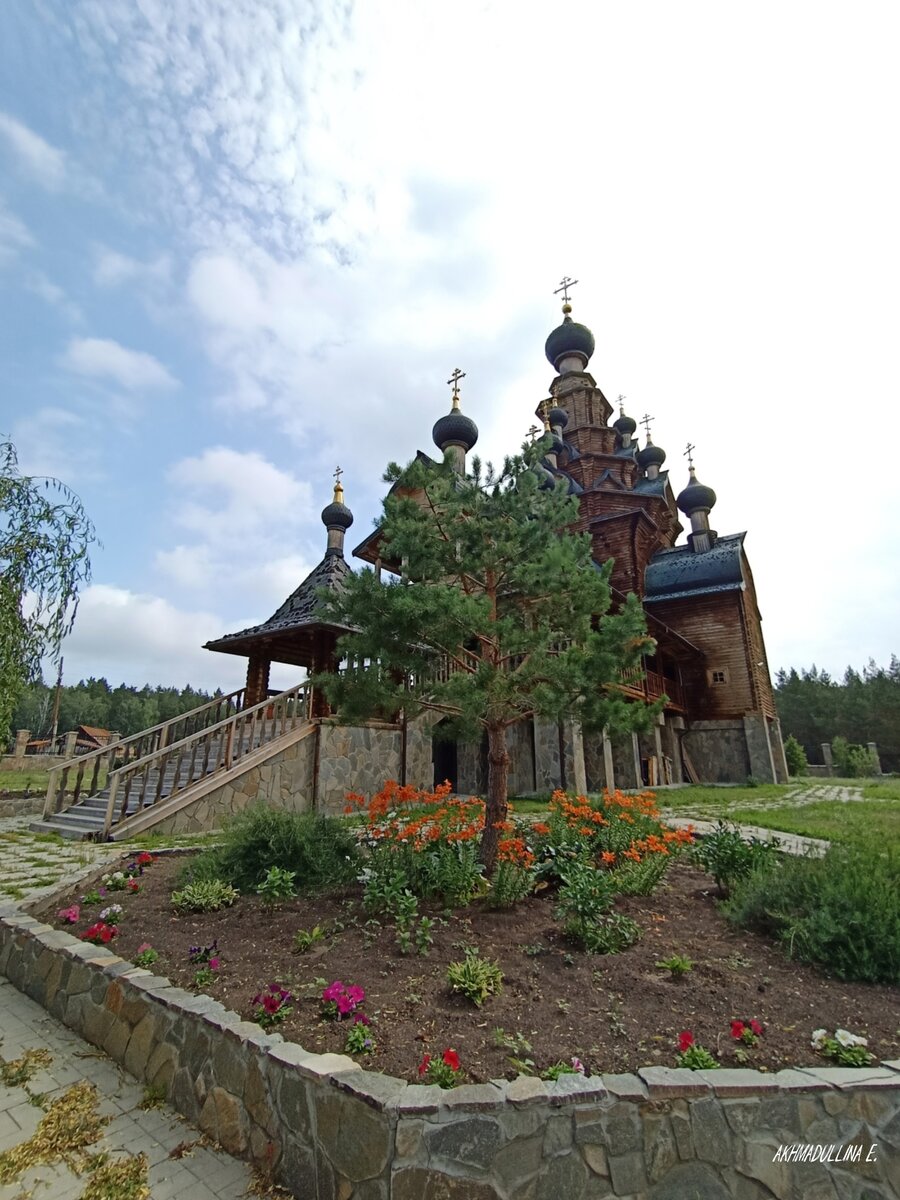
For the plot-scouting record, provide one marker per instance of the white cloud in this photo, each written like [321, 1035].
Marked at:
[112, 269]
[243, 513]
[56, 442]
[104, 359]
[143, 638]
[14, 235]
[52, 294]
[42, 161]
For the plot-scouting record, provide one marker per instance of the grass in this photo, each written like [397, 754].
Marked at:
[869, 820]
[37, 781]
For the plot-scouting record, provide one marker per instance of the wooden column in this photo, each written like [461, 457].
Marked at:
[323, 660]
[257, 680]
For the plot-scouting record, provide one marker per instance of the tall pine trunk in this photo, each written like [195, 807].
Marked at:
[497, 805]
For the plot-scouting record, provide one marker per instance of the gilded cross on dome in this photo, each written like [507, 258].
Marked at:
[533, 432]
[338, 472]
[454, 379]
[647, 421]
[564, 284]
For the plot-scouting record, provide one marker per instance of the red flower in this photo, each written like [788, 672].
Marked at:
[451, 1058]
[144, 859]
[737, 1029]
[685, 1039]
[423, 1065]
[757, 1028]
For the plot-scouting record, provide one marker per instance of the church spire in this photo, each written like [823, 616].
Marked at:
[570, 346]
[455, 434]
[695, 501]
[337, 517]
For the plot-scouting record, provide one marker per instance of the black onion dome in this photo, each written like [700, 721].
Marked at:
[558, 418]
[695, 496]
[337, 516]
[650, 455]
[568, 339]
[625, 425]
[455, 428]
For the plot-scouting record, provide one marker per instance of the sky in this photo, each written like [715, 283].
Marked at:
[245, 241]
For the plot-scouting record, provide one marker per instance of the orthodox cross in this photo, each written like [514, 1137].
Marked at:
[689, 453]
[338, 472]
[647, 421]
[454, 379]
[533, 432]
[564, 284]
[621, 404]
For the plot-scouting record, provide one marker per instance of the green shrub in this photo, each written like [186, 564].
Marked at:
[319, 850]
[586, 894]
[640, 879]
[475, 977]
[851, 761]
[278, 884]
[510, 884]
[841, 911]
[795, 757]
[205, 895]
[728, 857]
[610, 934]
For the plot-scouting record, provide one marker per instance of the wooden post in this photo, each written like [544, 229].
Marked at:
[257, 687]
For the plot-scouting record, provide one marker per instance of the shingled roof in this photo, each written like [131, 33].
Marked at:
[672, 574]
[297, 613]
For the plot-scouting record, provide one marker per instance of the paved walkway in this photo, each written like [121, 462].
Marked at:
[195, 1172]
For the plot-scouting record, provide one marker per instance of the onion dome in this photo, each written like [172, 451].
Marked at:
[337, 515]
[558, 418]
[650, 456]
[624, 426]
[455, 429]
[569, 340]
[695, 497]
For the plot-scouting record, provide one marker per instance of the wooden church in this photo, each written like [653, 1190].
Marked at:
[719, 723]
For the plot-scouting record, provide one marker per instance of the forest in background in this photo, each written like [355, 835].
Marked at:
[125, 709]
[861, 707]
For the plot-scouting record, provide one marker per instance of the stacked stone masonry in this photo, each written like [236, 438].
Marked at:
[328, 1130]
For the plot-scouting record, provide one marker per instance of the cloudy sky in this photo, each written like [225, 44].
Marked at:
[242, 241]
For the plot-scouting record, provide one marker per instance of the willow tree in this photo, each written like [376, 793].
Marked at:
[499, 615]
[44, 540]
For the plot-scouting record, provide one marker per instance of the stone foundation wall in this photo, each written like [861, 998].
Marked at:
[356, 758]
[330, 1131]
[284, 781]
[718, 750]
[21, 806]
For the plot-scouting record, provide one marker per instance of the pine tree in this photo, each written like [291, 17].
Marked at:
[500, 615]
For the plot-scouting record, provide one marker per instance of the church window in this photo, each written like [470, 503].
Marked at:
[719, 676]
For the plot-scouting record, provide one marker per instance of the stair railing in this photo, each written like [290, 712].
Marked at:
[66, 783]
[178, 765]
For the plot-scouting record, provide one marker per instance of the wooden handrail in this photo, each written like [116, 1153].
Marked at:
[216, 748]
[138, 746]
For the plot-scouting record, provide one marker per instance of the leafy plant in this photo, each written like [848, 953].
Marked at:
[841, 911]
[677, 964]
[445, 1071]
[692, 1055]
[845, 1048]
[641, 878]
[154, 1096]
[272, 1005]
[516, 1043]
[278, 884]
[305, 939]
[321, 851]
[747, 1032]
[424, 936]
[610, 934]
[510, 883]
[586, 894]
[145, 956]
[205, 895]
[475, 977]
[360, 1040]
[795, 757]
[728, 857]
[92, 897]
[573, 1067]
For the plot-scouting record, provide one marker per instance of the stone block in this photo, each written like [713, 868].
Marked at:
[224, 1119]
[526, 1089]
[742, 1115]
[140, 1046]
[756, 1159]
[372, 1087]
[680, 1117]
[712, 1139]
[518, 1162]
[791, 1080]
[258, 1098]
[664, 1082]
[628, 1174]
[621, 1129]
[660, 1151]
[408, 1139]
[596, 1159]
[849, 1077]
[473, 1141]
[728, 1081]
[422, 1183]
[161, 1067]
[417, 1099]
[96, 1023]
[184, 1097]
[356, 1138]
[695, 1180]
[116, 1040]
[557, 1136]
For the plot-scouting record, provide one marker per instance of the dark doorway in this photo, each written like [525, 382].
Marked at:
[443, 757]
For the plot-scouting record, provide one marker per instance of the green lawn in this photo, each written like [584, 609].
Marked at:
[36, 781]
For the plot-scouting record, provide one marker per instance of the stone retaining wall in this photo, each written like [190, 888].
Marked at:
[331, 1131]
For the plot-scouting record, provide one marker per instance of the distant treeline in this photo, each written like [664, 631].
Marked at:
[93, 702]
[861, 708]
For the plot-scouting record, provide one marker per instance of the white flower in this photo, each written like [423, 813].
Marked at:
[849, 1039]
[819, 1038]
[112, 913]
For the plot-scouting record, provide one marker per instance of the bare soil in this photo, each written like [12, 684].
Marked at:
[615, 1012]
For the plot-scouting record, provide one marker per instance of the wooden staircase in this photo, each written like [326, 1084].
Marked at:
[96, 796]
